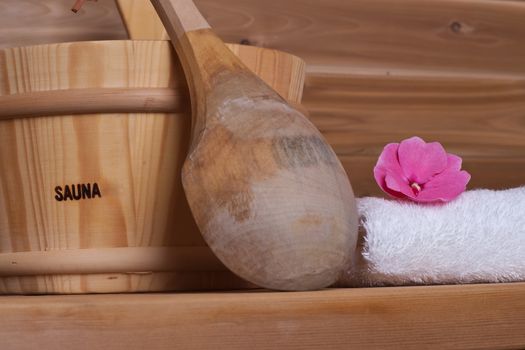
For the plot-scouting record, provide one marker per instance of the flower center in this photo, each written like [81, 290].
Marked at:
[416, 187]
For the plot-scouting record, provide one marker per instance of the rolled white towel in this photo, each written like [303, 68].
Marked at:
[479, 237]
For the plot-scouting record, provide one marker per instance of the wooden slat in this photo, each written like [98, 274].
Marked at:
[459, 37]
[482, 120]
[451, 70]
[30, 22]
[439, 317]
[474, 117]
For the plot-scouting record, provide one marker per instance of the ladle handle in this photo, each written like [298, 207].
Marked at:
[179, 17]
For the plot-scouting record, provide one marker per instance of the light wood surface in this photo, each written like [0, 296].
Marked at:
[134, 282]
[373, 47]
[32, 22]
[438, 37]
[359, 113]
[103, 260]
[460, 37]
[357, 41]
[141, 20]
[94, 100]
[440, 317]
[482, 120]
[134, 158]
[179, 17]
[106, 100]
[267, 192]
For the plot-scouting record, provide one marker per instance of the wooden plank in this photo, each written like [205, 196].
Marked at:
[437, 317]
[458, 37]
[474, 117]
[482, 120]
[31, 22]
[377, 73]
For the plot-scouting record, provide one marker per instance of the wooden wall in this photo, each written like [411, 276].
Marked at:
[378, 70]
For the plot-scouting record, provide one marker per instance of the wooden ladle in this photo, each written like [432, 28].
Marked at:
[267, 192]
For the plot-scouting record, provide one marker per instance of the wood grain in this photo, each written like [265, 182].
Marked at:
[439, 317]
[107, 100]
[136, 282]
[141, 20]
[92, 101]
[466, 90]
[482, 120]
[103, 260]
[447, 70]
[441, 37]
[31, 22]
[465, 37]
[135, 158]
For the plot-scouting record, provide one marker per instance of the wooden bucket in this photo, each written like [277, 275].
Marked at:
[92, 139]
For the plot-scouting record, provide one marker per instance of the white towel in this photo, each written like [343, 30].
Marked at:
[479, 237]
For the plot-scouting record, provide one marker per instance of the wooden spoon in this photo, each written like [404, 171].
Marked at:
[267, 192]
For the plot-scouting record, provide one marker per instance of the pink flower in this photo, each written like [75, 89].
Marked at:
[420, 171]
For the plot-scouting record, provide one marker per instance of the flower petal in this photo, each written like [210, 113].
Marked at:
[389, 159]
[445, 186]
[389, 164]
[380, 176]
[390, 192]
[453, 162]
[420, 161]
[397, 184]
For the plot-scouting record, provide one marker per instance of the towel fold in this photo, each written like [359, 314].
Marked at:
[479, 237]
